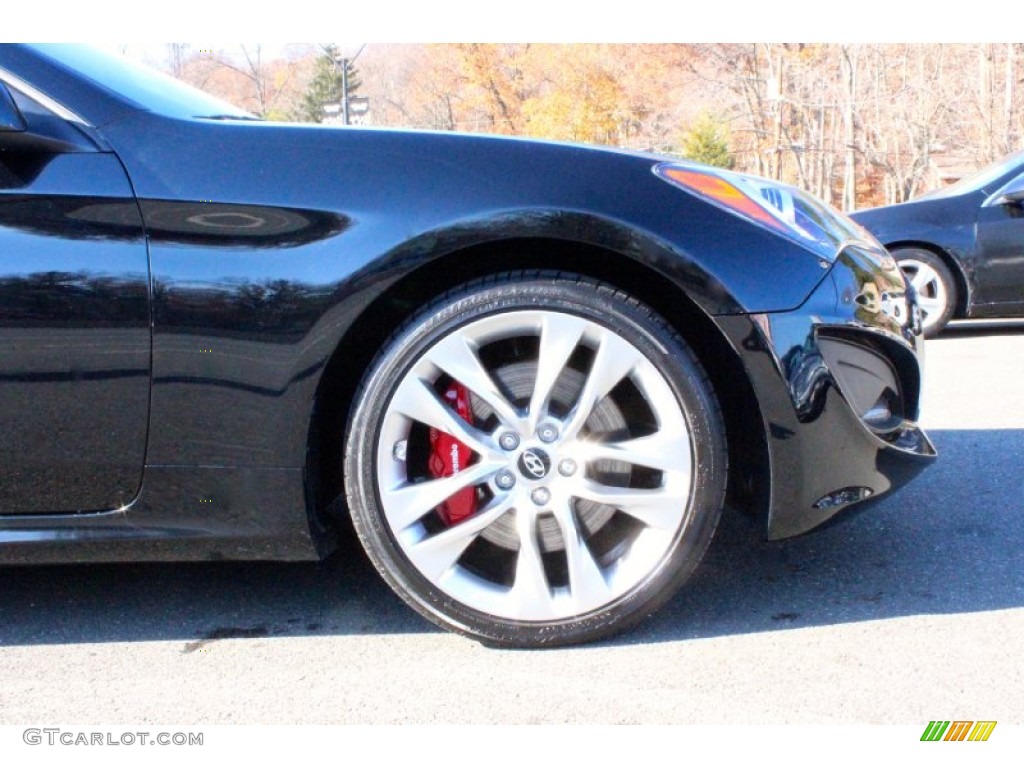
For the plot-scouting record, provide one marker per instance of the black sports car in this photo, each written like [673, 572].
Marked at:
[962, 246]
[531, 374]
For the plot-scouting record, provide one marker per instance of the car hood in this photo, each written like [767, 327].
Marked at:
[929, 219]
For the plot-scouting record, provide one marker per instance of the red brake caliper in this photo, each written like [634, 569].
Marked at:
[448, 456]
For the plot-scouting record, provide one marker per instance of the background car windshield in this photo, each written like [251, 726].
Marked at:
[983, 179]
[145, 87]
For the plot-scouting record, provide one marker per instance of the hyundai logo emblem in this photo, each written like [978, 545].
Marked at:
[534, 464]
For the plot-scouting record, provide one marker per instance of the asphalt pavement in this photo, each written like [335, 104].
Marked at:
[910, 610]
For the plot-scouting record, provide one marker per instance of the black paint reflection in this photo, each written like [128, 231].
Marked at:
[226, 356]
[876, 296]
[807, 377]
[250, 226]
[64, 299]
[71, 218]
[276, 309]
[18, 170]
[74, 334]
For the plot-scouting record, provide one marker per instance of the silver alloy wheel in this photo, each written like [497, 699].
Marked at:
[535, 459]
[932, 295]
[574, 532]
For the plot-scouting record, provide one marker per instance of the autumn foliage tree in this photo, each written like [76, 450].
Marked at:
[854, 124]
[579, 98]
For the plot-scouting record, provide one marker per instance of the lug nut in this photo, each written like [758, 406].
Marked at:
[504, 479]
[566, 467]
[509, 441]
[540, 496]
[547, 433]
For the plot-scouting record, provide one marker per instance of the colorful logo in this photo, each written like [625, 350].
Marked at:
[958, 730]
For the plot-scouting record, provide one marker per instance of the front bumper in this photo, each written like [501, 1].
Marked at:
[838, 382]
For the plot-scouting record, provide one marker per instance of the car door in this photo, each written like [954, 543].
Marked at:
[74, 315]
[1000, 258]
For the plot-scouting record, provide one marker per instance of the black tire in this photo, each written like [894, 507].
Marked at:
[614, 538]
[935, 285]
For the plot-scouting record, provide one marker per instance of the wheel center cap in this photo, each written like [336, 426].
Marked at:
[534, 464]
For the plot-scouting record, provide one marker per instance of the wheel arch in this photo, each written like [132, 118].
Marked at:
[963, 286]
[748, 478]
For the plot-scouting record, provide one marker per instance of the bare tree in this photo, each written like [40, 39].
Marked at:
[267, 82]
[177, 58]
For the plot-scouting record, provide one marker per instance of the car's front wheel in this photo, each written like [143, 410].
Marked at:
[934, 285]
[536, 460]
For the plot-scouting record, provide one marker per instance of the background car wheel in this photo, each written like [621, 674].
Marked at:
[934, 283]
[536, 460]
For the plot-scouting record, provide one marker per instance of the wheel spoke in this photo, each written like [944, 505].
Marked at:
[929, 305]
[614, 360]
[435, 555]
[530, 591]
[455, 357]
[560, 334]
[662, 451]
[418, 401]
[587, 584]
[930, 288]
[407, 503]
[921, 280]
[655, 507]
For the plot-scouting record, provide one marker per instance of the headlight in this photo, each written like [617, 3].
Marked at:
[779, 207]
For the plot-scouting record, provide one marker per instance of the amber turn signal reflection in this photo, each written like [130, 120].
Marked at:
[722, 192]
